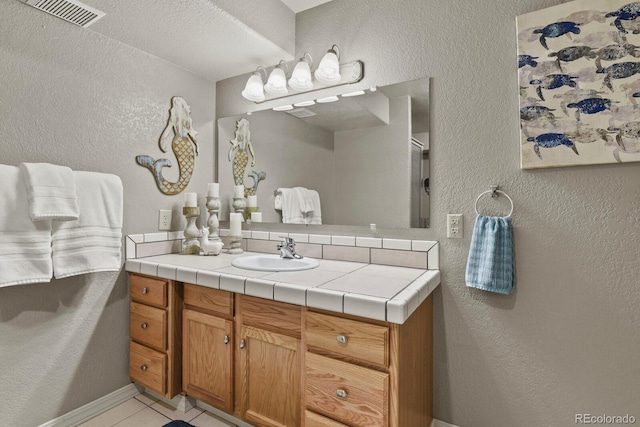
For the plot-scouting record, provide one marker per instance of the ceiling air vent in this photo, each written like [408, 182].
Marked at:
[301, 113]
[70, 10]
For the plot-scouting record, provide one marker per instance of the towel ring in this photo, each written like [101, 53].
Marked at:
[492, 191]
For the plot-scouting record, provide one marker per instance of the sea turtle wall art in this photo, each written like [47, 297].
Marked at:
[579, 80]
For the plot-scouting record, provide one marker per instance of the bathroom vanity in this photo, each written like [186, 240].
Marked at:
[284, 356]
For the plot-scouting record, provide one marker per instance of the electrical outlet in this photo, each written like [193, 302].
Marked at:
[164, 219]
[455, 226]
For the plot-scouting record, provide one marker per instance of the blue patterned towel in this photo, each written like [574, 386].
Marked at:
[491, 264]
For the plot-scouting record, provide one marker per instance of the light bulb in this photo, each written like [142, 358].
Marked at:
[277, 83]
[253, 91]
[328, 71]
[301, 77]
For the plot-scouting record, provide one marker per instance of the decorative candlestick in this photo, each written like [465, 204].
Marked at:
[235, 233]
[213, 206]
[191, 245]
[239, 205]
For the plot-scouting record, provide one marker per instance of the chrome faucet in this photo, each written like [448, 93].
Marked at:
[288, 248]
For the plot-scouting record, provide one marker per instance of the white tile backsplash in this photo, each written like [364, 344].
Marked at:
[320, 239]
[369, 242]
[299, 238]
[260, 235]
[343, 240]
[404, 245]
[156, 237]
[422, 245]
[278, 235]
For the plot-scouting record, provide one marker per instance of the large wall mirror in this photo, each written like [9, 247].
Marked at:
[366, 156]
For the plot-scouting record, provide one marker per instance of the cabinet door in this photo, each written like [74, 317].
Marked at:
[207, 370]
[269, 375]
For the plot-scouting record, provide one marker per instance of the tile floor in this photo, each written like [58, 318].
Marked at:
[143, 410]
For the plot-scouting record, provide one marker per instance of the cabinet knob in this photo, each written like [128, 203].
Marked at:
[342, 339]
[341, 393]
[143, 367]
[242, 344]
[226, 339]
[143, 326]
[144, 291]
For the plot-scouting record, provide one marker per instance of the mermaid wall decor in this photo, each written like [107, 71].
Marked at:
[184, 145]
[579, 71]
[239, 153]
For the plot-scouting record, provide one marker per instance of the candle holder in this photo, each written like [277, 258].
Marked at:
[239, 205]
[235, 243]
[213, 206]
[249, 211]
[191, 246]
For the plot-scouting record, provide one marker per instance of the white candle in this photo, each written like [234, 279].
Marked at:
[256, 216]
[190, 200]
[252, 201]
[213, 189]
[235, 224]
[238, 191]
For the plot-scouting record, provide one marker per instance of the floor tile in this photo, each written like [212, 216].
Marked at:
[145, 418]
[175, 414]
[116, 414]
[209, 420]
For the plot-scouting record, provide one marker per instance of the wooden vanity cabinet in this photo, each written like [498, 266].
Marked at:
[155, 330]
[269, 362]
[360, 372]
[207, 334]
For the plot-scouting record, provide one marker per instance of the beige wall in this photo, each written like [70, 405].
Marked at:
[567, 340]
[72, 97]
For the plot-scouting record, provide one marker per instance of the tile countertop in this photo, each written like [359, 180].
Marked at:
[368, 290]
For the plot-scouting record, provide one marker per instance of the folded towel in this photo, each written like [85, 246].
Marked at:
[491, 263]
[315, 216]
[51, 190]
[306, 199]
[291, 212]
[25, 246]
[91, 243]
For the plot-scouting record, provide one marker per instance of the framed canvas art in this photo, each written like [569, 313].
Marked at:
[579, 81]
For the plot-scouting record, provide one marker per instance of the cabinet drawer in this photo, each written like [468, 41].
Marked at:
[351, 338]
[148, 367]
[149, 291]
[271, 315]
[349, 393]
[148, 325]
[312, 419]
[209, 299]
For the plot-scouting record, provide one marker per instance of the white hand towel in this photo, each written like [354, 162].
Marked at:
[91, 243]
[306, 199]
[25, 246]
[291, 212]
[51, 190]
[315, 216]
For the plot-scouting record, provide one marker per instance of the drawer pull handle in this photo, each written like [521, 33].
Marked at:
[341, 393]
[242, 344]
[226, 339]
[342, 339]
[143, 367]
[143, 326]
[144, 291]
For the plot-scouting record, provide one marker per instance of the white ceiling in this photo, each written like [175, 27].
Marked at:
[215, 39]
[300, 5]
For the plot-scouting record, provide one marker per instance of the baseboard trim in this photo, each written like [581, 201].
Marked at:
[438, 423]
[95, 408]
[220, 414]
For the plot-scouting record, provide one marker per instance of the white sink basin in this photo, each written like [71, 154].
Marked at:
[273, 263]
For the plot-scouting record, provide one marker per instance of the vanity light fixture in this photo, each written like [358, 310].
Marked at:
[356, 93]
[328, 71]
[277, 82]
[283, 108]
[254, 90]
[301, 77]
[304, 104]
[327, 99]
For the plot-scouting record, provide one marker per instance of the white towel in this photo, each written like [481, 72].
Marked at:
[91, 243]
[291, 212]
[25, 246]
[310, 205]
[51, 191]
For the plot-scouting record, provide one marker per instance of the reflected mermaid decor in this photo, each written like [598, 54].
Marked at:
[184, 146]
[239, 153]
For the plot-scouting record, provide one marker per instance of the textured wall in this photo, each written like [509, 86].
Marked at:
[568, 339]
[73, 97]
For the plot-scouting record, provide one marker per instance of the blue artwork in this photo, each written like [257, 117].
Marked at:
[579, 80]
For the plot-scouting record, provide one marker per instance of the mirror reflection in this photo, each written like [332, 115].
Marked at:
[356, 159]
